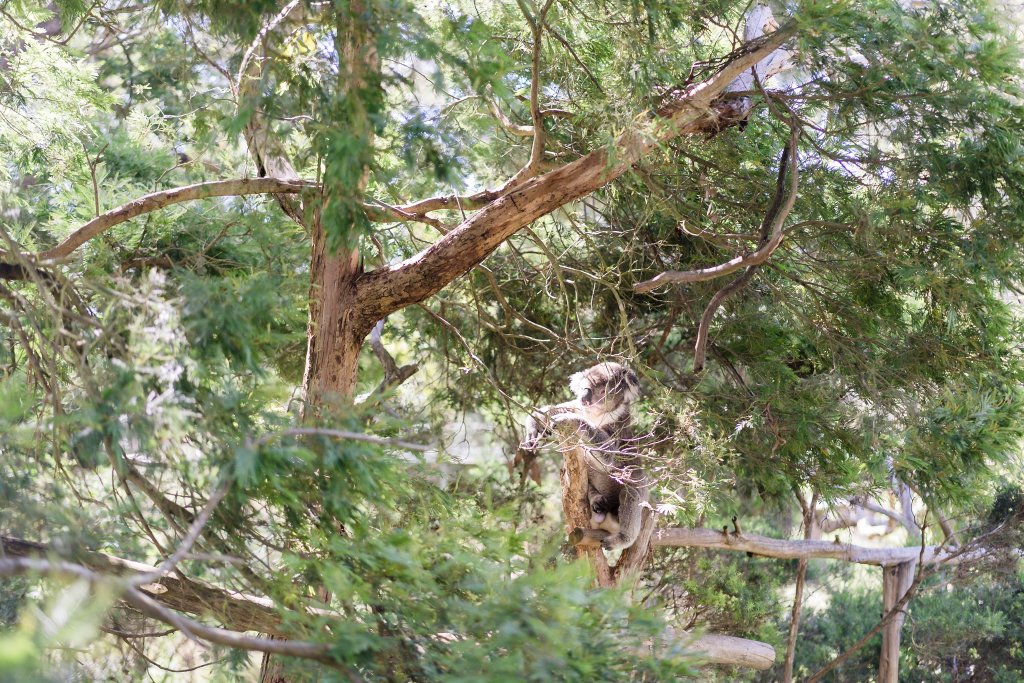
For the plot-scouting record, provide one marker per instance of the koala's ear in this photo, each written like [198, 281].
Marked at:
[578, 384]
[632, 386]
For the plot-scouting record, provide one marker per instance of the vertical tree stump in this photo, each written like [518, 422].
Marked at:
[576, 508]
[896, 580]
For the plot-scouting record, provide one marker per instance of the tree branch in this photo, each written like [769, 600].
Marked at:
[393, 375]
[763, 252]
[11, 566]
[771, 231]
[798, 594]
[783, 549]
[697, 109]
[732, 651]
[294, 648]
[185, 547]
[343, 434]
[506, 123]
[239, 611]
[158, 200]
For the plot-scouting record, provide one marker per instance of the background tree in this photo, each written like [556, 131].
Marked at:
[811, 270]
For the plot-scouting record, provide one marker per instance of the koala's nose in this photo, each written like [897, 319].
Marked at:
[587, 397]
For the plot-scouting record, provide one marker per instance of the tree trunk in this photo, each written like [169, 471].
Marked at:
[336, 330]
[576, 507]
[335, 333]
[896, 581]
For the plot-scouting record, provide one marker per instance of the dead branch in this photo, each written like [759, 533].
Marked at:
[783, 549]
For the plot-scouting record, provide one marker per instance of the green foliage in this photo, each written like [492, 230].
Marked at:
[959, 631]
[165, 356]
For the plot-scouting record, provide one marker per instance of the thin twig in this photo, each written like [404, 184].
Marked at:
[195, 529]
[341, 434]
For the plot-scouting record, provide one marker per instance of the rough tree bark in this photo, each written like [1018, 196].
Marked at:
[576, 509]
[710, 648]
[575, 506]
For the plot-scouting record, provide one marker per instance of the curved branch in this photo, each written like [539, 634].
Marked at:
[506, 123]
[158, 200]
[762, 254]
[770, 227]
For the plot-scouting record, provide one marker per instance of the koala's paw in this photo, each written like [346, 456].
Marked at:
[616, 542]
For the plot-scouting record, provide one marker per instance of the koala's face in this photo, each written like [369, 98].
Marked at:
[605, 387]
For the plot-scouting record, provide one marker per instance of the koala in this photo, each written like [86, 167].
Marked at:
[618, 488]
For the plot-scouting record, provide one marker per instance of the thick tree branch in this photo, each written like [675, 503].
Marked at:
[697, 109]
[294, 648]
[137, 598]
[731, 651]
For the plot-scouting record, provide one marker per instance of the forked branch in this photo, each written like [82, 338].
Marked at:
[771, 232]
[766, 248]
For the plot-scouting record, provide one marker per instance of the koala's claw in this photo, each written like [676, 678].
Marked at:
[613, 542]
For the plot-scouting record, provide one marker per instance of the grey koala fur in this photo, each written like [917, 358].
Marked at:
[618, 487]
